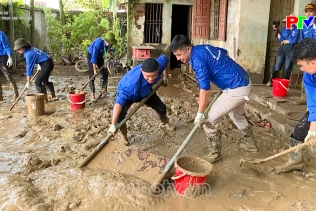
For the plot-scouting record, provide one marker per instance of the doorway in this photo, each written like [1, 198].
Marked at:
[181, 24]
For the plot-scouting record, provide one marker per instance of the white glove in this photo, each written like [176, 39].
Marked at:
[9, 62]
[199, 119]
[310, 139]
[38, 67]
[165, 81]
[112, 129]
[28, 85]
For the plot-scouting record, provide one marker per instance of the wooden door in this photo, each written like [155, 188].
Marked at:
[201, 19]
[279, 9]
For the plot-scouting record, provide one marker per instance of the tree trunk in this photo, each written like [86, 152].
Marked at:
[32, 25]
[11, 36]
[61, 12]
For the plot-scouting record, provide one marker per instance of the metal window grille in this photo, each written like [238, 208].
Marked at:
[153, 23]
[215, 19]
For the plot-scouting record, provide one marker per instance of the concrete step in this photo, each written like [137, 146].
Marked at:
[277, 120]
[263, 95]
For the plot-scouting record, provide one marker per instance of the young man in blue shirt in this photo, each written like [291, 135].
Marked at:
[95, 58]
[287, 38]
[212, 64]
[5, 63]
[45, 65]
[134, 86]
[305, 130]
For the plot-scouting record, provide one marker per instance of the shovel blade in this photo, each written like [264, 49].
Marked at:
[118, 158]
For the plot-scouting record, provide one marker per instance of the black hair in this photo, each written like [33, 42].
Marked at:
[305, 50]
[179, 42]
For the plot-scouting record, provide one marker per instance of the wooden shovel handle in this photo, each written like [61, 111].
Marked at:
[297, 147]
[84, 86]
[17, 99]
[159, 179]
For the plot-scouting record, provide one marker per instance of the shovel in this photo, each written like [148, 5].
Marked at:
[94, 75]
[258, 161]
[159, 179]
[17, 99]
[108, 137]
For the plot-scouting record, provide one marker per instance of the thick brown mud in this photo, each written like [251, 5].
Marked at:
[39, 158]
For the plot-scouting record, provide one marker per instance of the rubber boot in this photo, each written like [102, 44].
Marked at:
[274, 74]
[92, 89]
[1, 97]
[42, 89]
[15, 90]
[215, 149]
[249, 142]
[287, 75]
[92, 97]
[104, 86]
[50, 87]
[302, 101]
[295, 160]
[123, 134]
[165, 124]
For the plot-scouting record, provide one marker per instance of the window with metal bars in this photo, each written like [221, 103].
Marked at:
[215, 19]
[153, 23]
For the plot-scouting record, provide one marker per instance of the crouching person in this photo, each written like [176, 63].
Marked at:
[305, 130]
[134, 86]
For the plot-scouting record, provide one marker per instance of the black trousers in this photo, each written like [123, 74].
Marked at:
[5, 69]
[104, 72]
[43, 76]
[301, 129]
[153, 102]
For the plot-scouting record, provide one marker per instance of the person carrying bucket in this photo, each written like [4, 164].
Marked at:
[307, 32]
[5, 63]
[288, 38]
[212, 64]
[95, 54]
[305, 130]
[134, 86]
[45, 65]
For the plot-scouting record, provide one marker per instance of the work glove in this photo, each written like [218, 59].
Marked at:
[38, 67]
[199, 119]
[310, 139]
[28, 85]
[9, 62]
[165, 81]
[112, 129]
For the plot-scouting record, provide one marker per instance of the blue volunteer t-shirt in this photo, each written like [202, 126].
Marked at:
[134, 87]
[33, 56]
[211, 64]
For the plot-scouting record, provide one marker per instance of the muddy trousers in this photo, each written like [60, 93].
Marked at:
[153, 102]
[42, 80]
[5, 70]
[231, 102]
[104, 73]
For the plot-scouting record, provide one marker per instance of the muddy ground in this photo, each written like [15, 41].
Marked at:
[39, 158]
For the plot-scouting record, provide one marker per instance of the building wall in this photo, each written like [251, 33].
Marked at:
[136, 22]
[247, 28]
[246, 37]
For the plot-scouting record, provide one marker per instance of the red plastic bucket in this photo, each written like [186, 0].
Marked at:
[77, 101]
[280, 87]
[191, 174]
